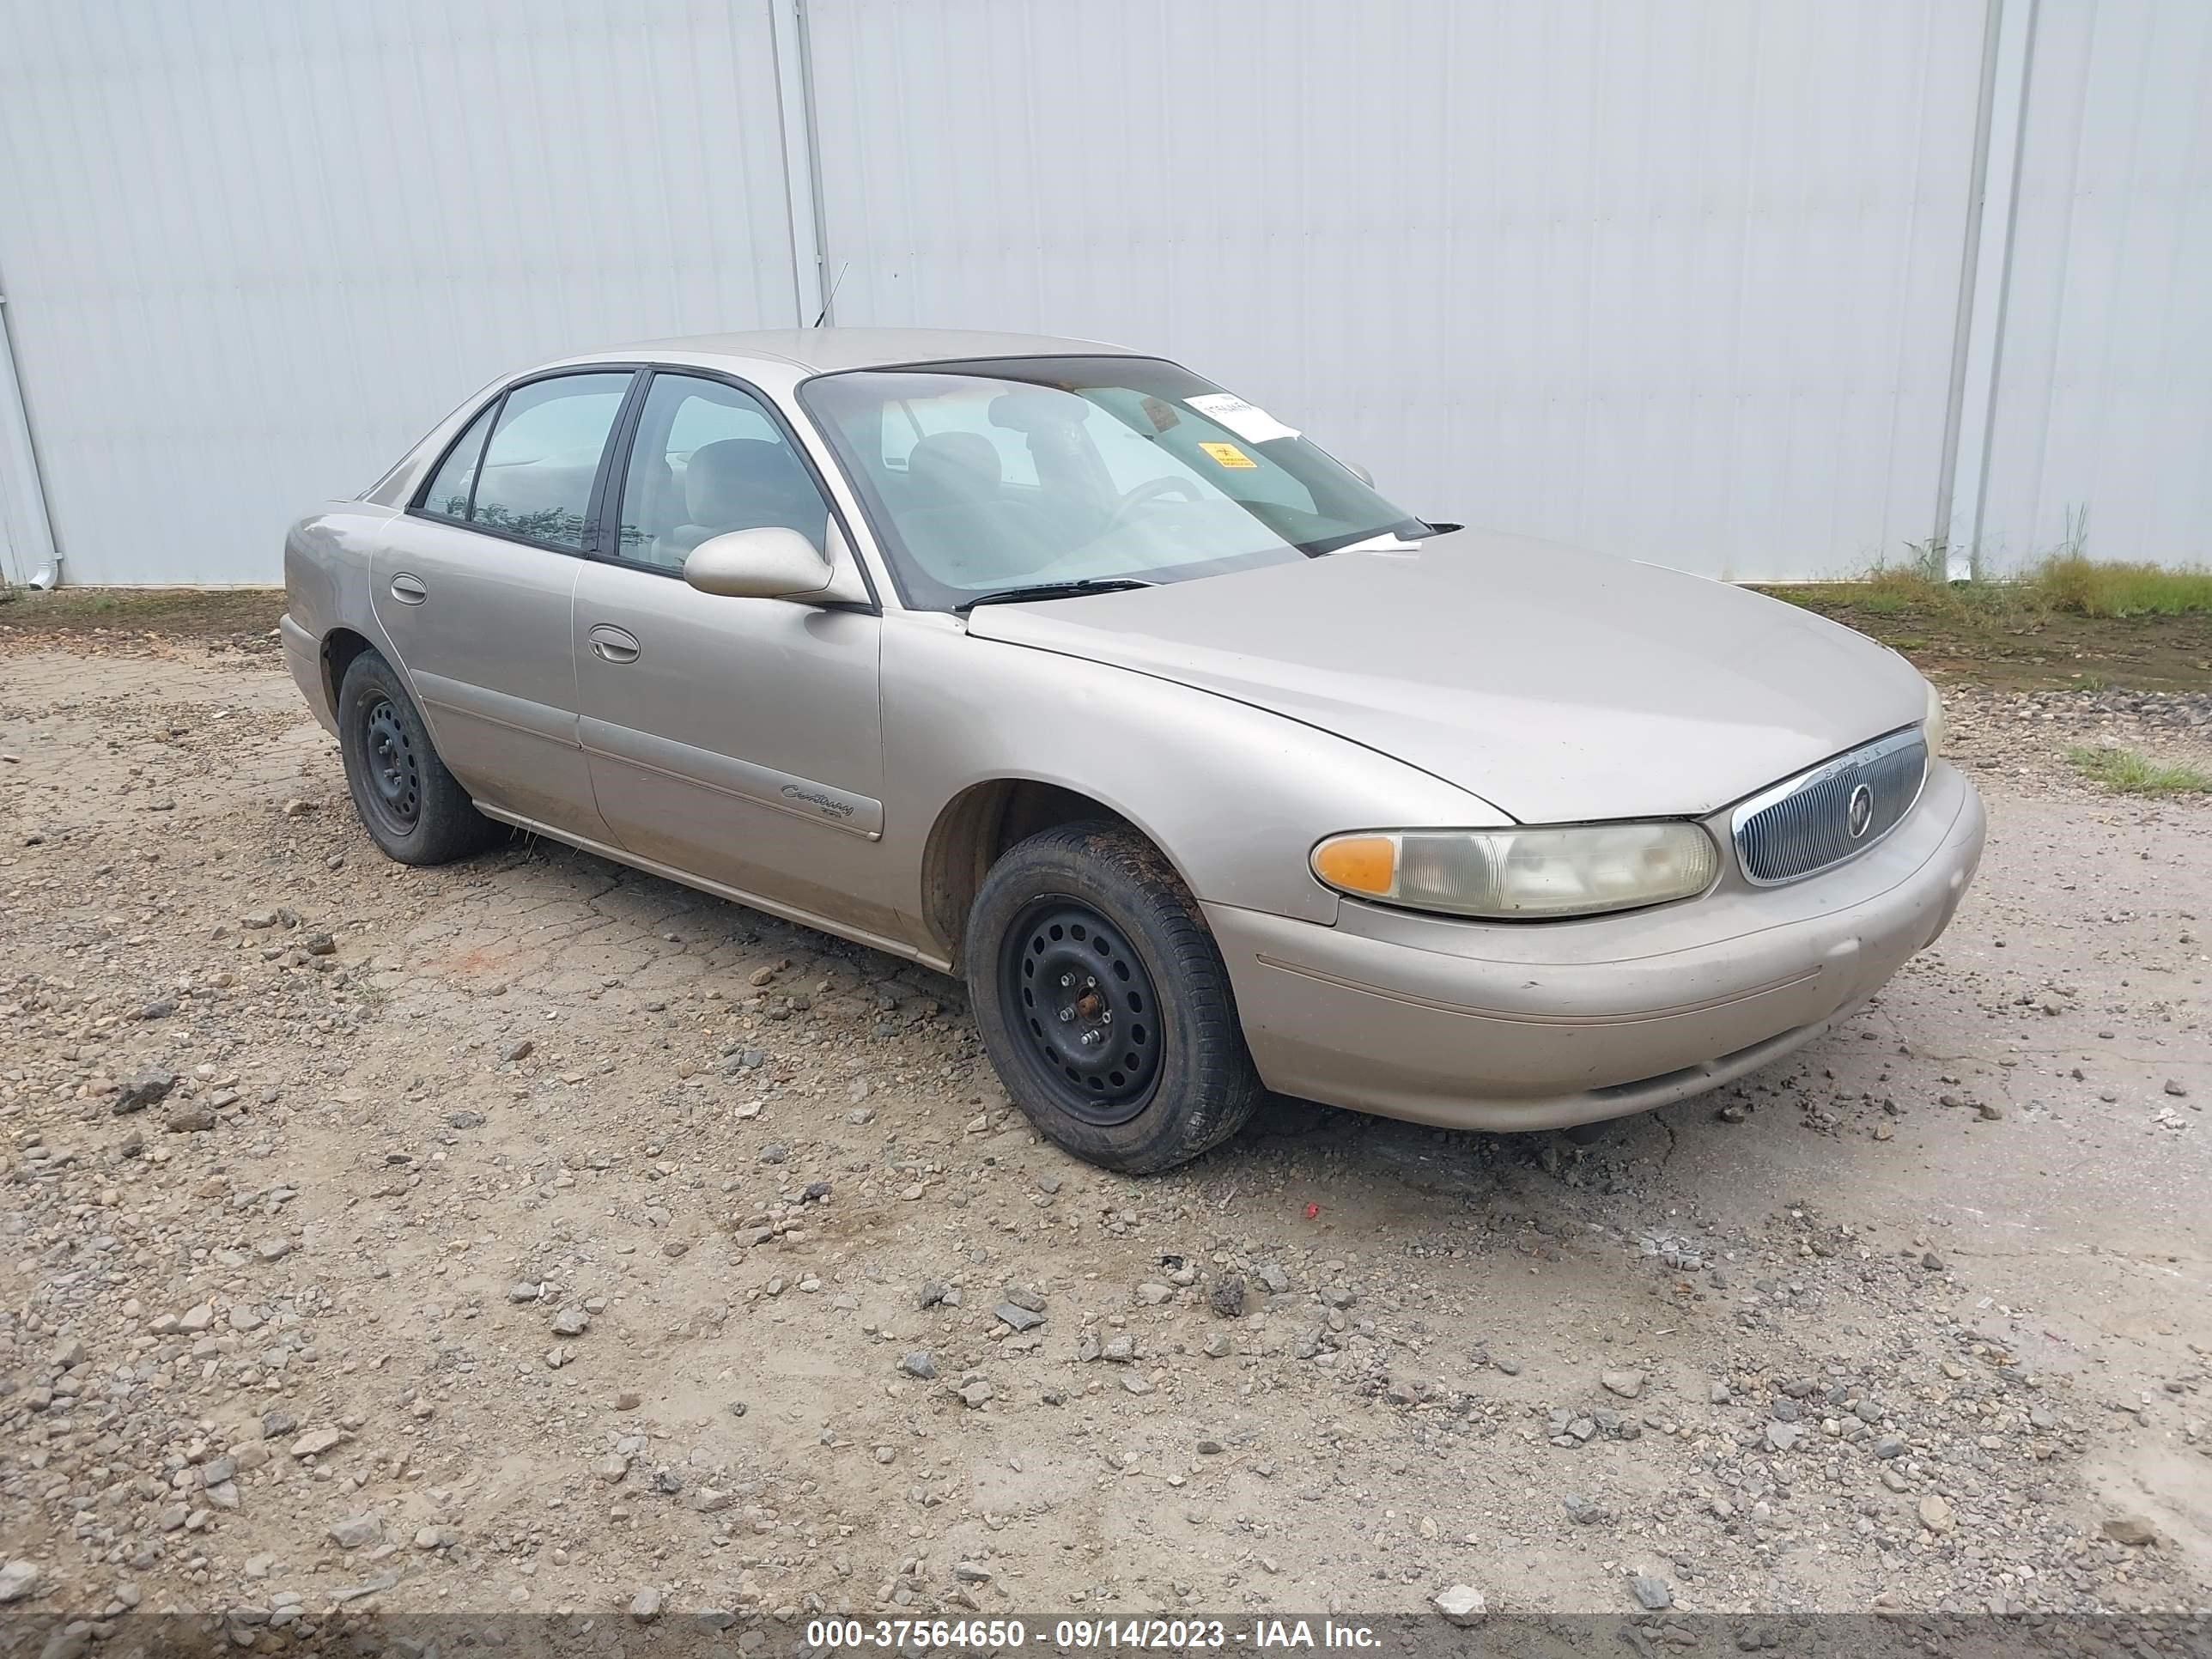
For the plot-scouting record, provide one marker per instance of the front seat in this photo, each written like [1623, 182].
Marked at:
[963, 528]
[954, 469]
[743, 484]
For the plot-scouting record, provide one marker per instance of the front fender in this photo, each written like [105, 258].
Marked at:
[1236, 796]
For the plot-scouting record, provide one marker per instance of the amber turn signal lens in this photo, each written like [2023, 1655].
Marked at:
[1358, 863]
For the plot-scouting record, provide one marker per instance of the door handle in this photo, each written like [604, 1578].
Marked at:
[611, 644]
[409, 590]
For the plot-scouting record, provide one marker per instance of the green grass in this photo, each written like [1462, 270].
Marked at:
[2069, 583]
[2132, 772]
[2065, 583]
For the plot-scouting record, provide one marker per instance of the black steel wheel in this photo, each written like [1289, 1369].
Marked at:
[414, 809]
[1086, 1006]
[1103, 1002]
[395, 776]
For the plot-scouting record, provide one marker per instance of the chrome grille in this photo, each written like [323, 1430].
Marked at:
[1806, 824]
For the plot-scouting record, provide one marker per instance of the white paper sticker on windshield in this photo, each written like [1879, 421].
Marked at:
[1255, 426]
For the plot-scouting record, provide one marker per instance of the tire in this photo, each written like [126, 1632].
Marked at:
[413, 808]
[1080, 927]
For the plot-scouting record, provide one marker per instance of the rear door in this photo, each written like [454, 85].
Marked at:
[475, 588]
[736, 740]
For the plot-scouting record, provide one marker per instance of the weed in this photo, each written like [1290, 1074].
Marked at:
[2132, 772]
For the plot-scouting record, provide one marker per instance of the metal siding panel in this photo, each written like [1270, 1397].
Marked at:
[1678, 281]
[2104, 400]
[256, 248]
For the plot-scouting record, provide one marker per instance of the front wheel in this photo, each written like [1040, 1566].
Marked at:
[1104, 1003]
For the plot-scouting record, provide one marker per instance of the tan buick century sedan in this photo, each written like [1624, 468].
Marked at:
[1056, 666]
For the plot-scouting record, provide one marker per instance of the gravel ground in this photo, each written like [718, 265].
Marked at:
[532, 1234]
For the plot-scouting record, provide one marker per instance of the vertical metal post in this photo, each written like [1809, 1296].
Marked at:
[1984, 282]
[795, 87]
[26, 536]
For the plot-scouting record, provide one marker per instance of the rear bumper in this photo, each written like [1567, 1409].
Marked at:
[1483, 1026]
[303, 656]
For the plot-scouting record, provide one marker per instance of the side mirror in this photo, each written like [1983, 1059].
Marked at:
[1360, 473]
[769, 563]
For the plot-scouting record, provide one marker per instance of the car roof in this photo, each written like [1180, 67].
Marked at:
[826, 350]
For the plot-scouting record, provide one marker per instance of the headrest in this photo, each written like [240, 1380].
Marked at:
[960, 466]
[735, 479]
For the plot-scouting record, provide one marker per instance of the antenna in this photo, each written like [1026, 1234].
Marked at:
[831, 299]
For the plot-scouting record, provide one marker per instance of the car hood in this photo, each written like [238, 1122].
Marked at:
[1557, 684]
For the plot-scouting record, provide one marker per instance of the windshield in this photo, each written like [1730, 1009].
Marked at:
[985, 476]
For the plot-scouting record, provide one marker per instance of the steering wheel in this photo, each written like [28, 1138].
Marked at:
[1138, 495]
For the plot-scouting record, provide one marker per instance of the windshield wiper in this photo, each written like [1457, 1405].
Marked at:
[1052, 591]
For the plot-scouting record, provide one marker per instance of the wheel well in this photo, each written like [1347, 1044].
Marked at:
[340, 647]
[975, 827]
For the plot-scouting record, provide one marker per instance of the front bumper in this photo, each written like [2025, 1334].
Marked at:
[1476, 1026]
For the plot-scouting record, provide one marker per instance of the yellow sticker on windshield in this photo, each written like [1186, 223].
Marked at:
[1228, 455]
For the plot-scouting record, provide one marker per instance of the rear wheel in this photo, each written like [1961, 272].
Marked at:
[1103, 1002]
[413, 808]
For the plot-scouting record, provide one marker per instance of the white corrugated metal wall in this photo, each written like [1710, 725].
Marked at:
[1644, 277]
[2104, 386]
[255, 248]
[1681, 282]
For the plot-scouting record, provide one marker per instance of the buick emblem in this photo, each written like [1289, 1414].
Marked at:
[1860, 812]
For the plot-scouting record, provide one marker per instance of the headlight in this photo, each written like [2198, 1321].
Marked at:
[1934, 730]
[1522, 874]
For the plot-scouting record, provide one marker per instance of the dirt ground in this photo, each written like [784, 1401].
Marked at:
[535, 1234]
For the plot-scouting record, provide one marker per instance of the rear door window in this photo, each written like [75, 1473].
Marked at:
[535, 477]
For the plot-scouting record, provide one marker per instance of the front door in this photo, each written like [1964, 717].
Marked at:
[476, 587]
[734, 739]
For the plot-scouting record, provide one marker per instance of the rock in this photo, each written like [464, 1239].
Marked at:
[976, 1394]
[66, 1352]
[355, 1530]
[519, 1293]
[1626, 1384]
[1021, 1319]
[1272, 1278]
[518, 1050]
[1652, 1594]
[1783, 1437]
[919, 1363]
[1152, 1293]
[257, 919]
[143, 1089]
[465, 1119]
[18, 1579]
[2134, 1530]
[273, 1249]
[571, 1321]
[189, 1119]
[1227, 1297]
[1935, 1514]
[1462, 1604]
[1932, 1262]
[645, 1606]
[196, 1318]
[611, 1468]
[320, 944]
[316, 1442]
[1580, 1510]
[1022, 1296]
[2174, 1085]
